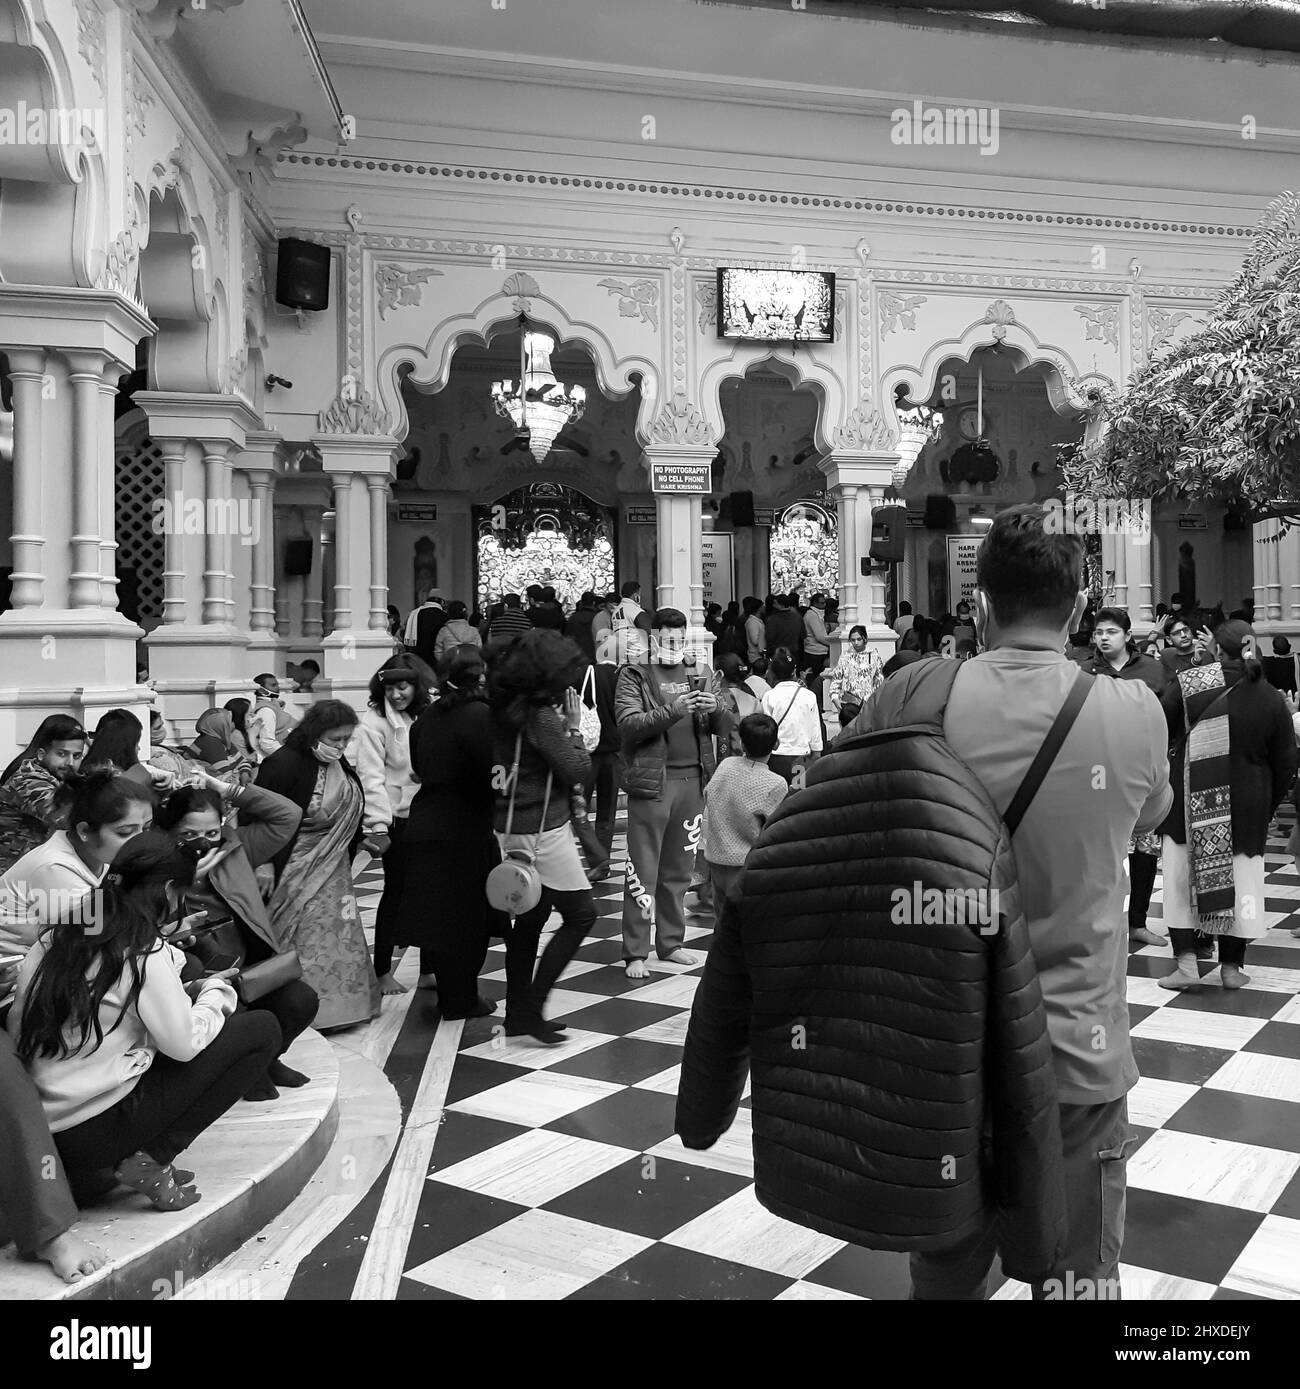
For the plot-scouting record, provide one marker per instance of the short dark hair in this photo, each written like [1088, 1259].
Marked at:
[758, 734]
[548, 594]
[457, 609]
[1119, 616]
[511, 600]
[630, 586]
[668, 617]
[1281, 647]
[462, 678]
[904, 607]
[264, 677]
[309, 664]
[1027, 571]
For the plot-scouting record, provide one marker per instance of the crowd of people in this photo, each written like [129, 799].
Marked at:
[173, 917]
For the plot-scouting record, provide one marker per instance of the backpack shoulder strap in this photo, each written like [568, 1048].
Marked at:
[1041, 764]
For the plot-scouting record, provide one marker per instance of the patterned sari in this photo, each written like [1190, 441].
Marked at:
[314, 905]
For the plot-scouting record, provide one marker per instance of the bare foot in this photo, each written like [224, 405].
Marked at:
[682, 957]
[72, 1257]
[389, 985]
[637, 969]
[427, 981]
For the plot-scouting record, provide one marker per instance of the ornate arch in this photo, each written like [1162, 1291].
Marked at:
[799, 368]
[1067, 388]
[431, 363]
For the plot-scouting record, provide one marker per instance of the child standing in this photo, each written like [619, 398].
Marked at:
[740, 796]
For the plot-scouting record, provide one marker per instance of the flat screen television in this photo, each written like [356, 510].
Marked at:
[776, 305]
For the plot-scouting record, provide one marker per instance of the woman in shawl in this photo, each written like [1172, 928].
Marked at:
[1233, 757]
[314, 905]
[217, 745]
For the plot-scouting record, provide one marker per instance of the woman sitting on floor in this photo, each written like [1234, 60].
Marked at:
[131, 1064]
[217, 746]
[226, 885]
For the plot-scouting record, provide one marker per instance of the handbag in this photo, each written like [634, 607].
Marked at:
[589, 723]
[514, 886]
[268, 975]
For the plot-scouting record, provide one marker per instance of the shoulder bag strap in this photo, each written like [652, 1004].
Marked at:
[1056, 735]
[541, 825]
[514, 780]
[788, 707]
[588, 680]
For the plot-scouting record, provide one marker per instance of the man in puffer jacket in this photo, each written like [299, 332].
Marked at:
[845, 1116]
[665, 730]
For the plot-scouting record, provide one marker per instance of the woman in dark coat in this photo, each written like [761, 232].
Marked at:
[1212, 885]
[451, 847]
[314, 906]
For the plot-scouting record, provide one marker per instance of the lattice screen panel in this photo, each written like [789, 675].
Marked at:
[138, 480]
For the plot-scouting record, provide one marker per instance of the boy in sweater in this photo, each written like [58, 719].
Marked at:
[738, 800]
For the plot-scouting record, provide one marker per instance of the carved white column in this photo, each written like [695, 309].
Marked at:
[846, 503]
[378, 494]
[342, 621]
[27, 372]
[218, 582]
[84, 588]
[108, 583]
[313, 603]
[1266, 558]
[864, 600]
[174, 541]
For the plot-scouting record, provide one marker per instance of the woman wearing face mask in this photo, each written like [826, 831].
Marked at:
[855, 678]
[225, 885]
[444, 909]
[104, 811]
[314, 905]
[29, 785]
[131, 1064]
[400, 691]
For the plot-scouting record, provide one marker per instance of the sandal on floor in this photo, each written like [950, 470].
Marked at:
[141, 1173]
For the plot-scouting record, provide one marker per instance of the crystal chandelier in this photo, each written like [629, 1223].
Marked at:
[539, 406]
[917, 427]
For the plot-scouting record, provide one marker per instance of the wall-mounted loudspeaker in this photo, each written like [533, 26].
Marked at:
[742, 509]
[302, 275]
[297, 557]
[888, 534]
[940, 513]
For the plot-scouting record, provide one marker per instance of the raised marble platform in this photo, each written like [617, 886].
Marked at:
[250, 1166]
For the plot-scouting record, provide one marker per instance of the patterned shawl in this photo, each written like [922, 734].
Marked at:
[1208, 797]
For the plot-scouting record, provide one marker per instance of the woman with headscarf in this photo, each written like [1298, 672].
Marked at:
[314, 905]
[216, 744]
[400, 691]
[1233, 757]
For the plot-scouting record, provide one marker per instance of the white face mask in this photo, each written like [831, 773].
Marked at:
[325, 753]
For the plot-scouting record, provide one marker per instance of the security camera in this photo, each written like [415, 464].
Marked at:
[273, 381]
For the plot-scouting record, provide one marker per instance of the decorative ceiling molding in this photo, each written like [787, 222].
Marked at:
[91, 31]
[1102, 321]
[708, 192]
[524, 289]
[899, 311]
[1164, 323]
[637, 299]
[162, 16]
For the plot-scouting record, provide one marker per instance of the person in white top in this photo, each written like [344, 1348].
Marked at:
[51, 881]
[400, 691]
[132, 1064]
[904, 622]
[797, 717]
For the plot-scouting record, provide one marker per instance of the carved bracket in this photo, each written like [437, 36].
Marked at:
[1102, 321]
[899, 311]
[865, 430]
[400, 288]
[524, 290]
[637, 299]
[679, 422]
[354, 412]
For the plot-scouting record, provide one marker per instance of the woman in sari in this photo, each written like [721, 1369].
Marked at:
[217, 746]
[1232, 760]
[314, 905]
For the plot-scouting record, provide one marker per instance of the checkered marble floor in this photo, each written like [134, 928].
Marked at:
[555, 1173]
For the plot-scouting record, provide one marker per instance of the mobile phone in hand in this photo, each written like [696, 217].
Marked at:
[699, 684]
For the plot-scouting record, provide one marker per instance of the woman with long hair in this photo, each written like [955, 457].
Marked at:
[314, 905]
[856, 677]
[198, 819]
[444, 909]
[798, 719]
[30, 783]
[539, 758]
[400, 691]
[1233, 756]
[103, 811]
[239, 709]
[131, 1064]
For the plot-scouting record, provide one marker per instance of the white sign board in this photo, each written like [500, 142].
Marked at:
[962, 550]
[719, 567]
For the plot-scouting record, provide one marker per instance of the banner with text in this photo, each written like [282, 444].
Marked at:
[682, 477]
[962, 550]
[719, 567]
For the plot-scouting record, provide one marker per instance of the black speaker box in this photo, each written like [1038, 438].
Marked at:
[297, 557]
[302, 275]
[940, 513]
[888, 534]
[742, 508]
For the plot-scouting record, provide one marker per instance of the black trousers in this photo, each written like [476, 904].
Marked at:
[1232, 949]
[35, 1201]
[525, 990]
[603, 780]
[293, 1006]
[173, 1103]
[396, 862]
[1141, 883]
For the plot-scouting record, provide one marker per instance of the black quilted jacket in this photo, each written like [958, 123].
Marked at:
[902, 1074]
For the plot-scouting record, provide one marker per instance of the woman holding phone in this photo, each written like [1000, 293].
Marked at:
[130, 1063]
[226, 889]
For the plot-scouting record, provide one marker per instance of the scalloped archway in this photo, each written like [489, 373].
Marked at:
[800, 369]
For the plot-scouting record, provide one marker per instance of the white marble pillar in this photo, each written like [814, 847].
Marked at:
[378, 501]
[313, 583]
[85, 589]
[26, 373]
[342, 621]
[175, 608]
[108, 380]
[869, 473]
[846, 505]
[218, 582]
[1266, 557]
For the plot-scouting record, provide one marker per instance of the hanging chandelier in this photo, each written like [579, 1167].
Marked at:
[539, 405]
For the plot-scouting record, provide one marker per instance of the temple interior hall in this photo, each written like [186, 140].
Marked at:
[312, 311]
